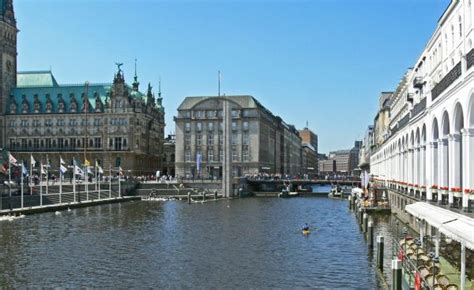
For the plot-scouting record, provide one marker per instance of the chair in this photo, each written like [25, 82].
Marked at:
[442, 279]
[452, 287]
[439, 287]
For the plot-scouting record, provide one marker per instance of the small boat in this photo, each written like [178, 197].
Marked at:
[306, 232]
[336, 192]
[286, 194]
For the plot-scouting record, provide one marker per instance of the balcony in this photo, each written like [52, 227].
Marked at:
[470, 58]
[448, 79]
[418, 82]
[418, 108]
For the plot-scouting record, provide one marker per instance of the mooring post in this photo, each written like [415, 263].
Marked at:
[350, 202]
[396, 274]
[380, 253]
[204, 196]
[189, 197]
[365, 218]
[370, 234]
[215, 194]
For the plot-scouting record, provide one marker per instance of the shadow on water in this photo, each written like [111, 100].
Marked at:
[246, 243]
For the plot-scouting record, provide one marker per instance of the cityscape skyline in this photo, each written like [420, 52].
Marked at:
[275, 55]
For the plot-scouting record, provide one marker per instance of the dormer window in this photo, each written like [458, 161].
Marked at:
[61, 106]
[25, 106]
[12, 108]
[37, 104]
[49, 104]
[73, 103]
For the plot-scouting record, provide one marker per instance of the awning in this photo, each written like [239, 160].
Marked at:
[455, 226]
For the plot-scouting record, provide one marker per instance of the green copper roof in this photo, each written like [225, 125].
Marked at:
[36, 79]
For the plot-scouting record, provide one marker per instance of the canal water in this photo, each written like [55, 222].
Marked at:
[244, 243]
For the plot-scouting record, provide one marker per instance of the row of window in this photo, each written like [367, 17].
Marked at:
[201, 114]
[220, 157]
[211, 127]
[117, 143]
[210, 140]
[72, 122]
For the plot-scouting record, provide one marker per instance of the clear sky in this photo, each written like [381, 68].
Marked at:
[324, 61]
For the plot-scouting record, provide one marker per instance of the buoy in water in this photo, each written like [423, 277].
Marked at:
[57, 212]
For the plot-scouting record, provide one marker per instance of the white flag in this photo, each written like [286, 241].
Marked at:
[61, 161]
[33, 161]
[62, 168]
[43, 170]
[12, 159]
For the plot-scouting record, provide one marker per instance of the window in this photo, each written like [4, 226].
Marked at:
[210, 140]
[245, 125]
[36, 143]
[211, 114]
[235, 155]
[245, 139]
[198, 126]
[187, 156]
[48, 143]
[460, 26]
[234, 126]
[235, 113]
[198, 140]
[198, 114]
[452, 34]
[245, 155]
[111, 143]
[221, 126]
[12, 143]
[60, 143]
[221, 155]
[118, 143]
[23, 144]
[98, 142]
[187, 140]
[210, 126]
[221, 140]
[210, 155]
[234, 139]
[187, 127]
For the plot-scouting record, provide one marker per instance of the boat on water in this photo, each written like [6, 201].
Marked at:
[336, 192]
[287, 194]
[305, 232]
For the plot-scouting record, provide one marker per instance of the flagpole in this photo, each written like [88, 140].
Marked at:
[22, 168]
[86, 177]
[60, 182]
[74, 178]
[41, 185]
[47, 173]
[31, 175]
[9, 176]
[110, 181]
[95, 172]
[120, 193]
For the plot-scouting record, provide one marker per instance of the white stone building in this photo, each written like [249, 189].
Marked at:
[429, 150]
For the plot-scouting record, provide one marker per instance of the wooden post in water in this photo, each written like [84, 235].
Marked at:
[379, 256]
[365, 219]
[370, 234]
[189, 197]
[396, 274]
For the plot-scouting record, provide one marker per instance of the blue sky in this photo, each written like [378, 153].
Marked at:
[324, 61]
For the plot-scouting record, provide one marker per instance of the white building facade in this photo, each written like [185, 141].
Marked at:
[429, 151]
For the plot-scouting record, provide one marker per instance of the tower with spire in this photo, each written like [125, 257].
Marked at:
[135, 83]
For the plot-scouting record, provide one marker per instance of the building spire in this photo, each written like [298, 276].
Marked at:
[159, 99]
[135, 78]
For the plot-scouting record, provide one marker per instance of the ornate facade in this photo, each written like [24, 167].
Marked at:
[113, 123]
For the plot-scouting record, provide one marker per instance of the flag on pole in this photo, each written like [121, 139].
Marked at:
[43, 168]
[23, 170]
[77, 169]
[62, 166]
[86, 162]
[120, 171]
[99, 169]
[61, 161]
[32, 161]
[89, 170]
[12, 159]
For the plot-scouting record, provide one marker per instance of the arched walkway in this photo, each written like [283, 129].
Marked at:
[455, 157]
[433, 193]
[443, 158]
